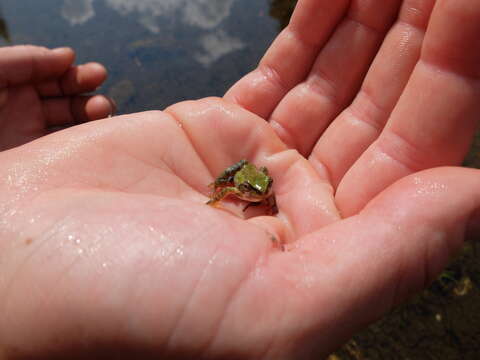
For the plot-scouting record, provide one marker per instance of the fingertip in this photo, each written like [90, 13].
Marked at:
[97, 71]
[67, 53]
[99, 107]
[63, 50]
[83, 78]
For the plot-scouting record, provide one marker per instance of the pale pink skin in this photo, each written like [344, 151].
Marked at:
[107, 244]
[41, 89]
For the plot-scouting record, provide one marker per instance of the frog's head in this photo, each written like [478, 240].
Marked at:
[257, 180]
[261, 183]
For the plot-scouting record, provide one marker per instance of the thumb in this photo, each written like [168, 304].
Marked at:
[362, 266]
[430, 214]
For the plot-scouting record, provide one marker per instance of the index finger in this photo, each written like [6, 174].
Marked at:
[435, 118]
[27, 63]
[289, 58]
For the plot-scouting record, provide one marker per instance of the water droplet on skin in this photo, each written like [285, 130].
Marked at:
[11, 212]
[80, 251]
[104, 265]
[74, 239]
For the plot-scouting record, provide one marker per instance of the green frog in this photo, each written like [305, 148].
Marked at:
[244, 181]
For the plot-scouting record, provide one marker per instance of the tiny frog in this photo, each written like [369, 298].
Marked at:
[244, 181]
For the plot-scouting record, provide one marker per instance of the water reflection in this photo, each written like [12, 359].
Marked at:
[216, 45]
[205, 15]
[77, 12]
[153, 7]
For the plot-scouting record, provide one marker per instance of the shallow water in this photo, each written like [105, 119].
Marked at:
[157, 51]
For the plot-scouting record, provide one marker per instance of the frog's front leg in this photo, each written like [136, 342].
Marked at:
[226, 177]
[250, 204]
[271, 204]
[221, 194]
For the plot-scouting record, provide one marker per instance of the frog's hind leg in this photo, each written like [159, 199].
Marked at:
[221, 194]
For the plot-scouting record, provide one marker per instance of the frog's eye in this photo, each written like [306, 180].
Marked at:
[264, 170]
[244, 187]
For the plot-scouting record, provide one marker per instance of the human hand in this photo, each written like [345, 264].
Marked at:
[40, 89]
[112, 214]
[371, 91]
[109, 251]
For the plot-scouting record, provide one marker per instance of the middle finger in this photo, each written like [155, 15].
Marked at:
[336, 75]
[360, 124]
[76, 80]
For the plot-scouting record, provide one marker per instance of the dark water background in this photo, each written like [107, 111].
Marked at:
[159, 52]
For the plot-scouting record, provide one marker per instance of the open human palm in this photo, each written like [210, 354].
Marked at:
[109, 248]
